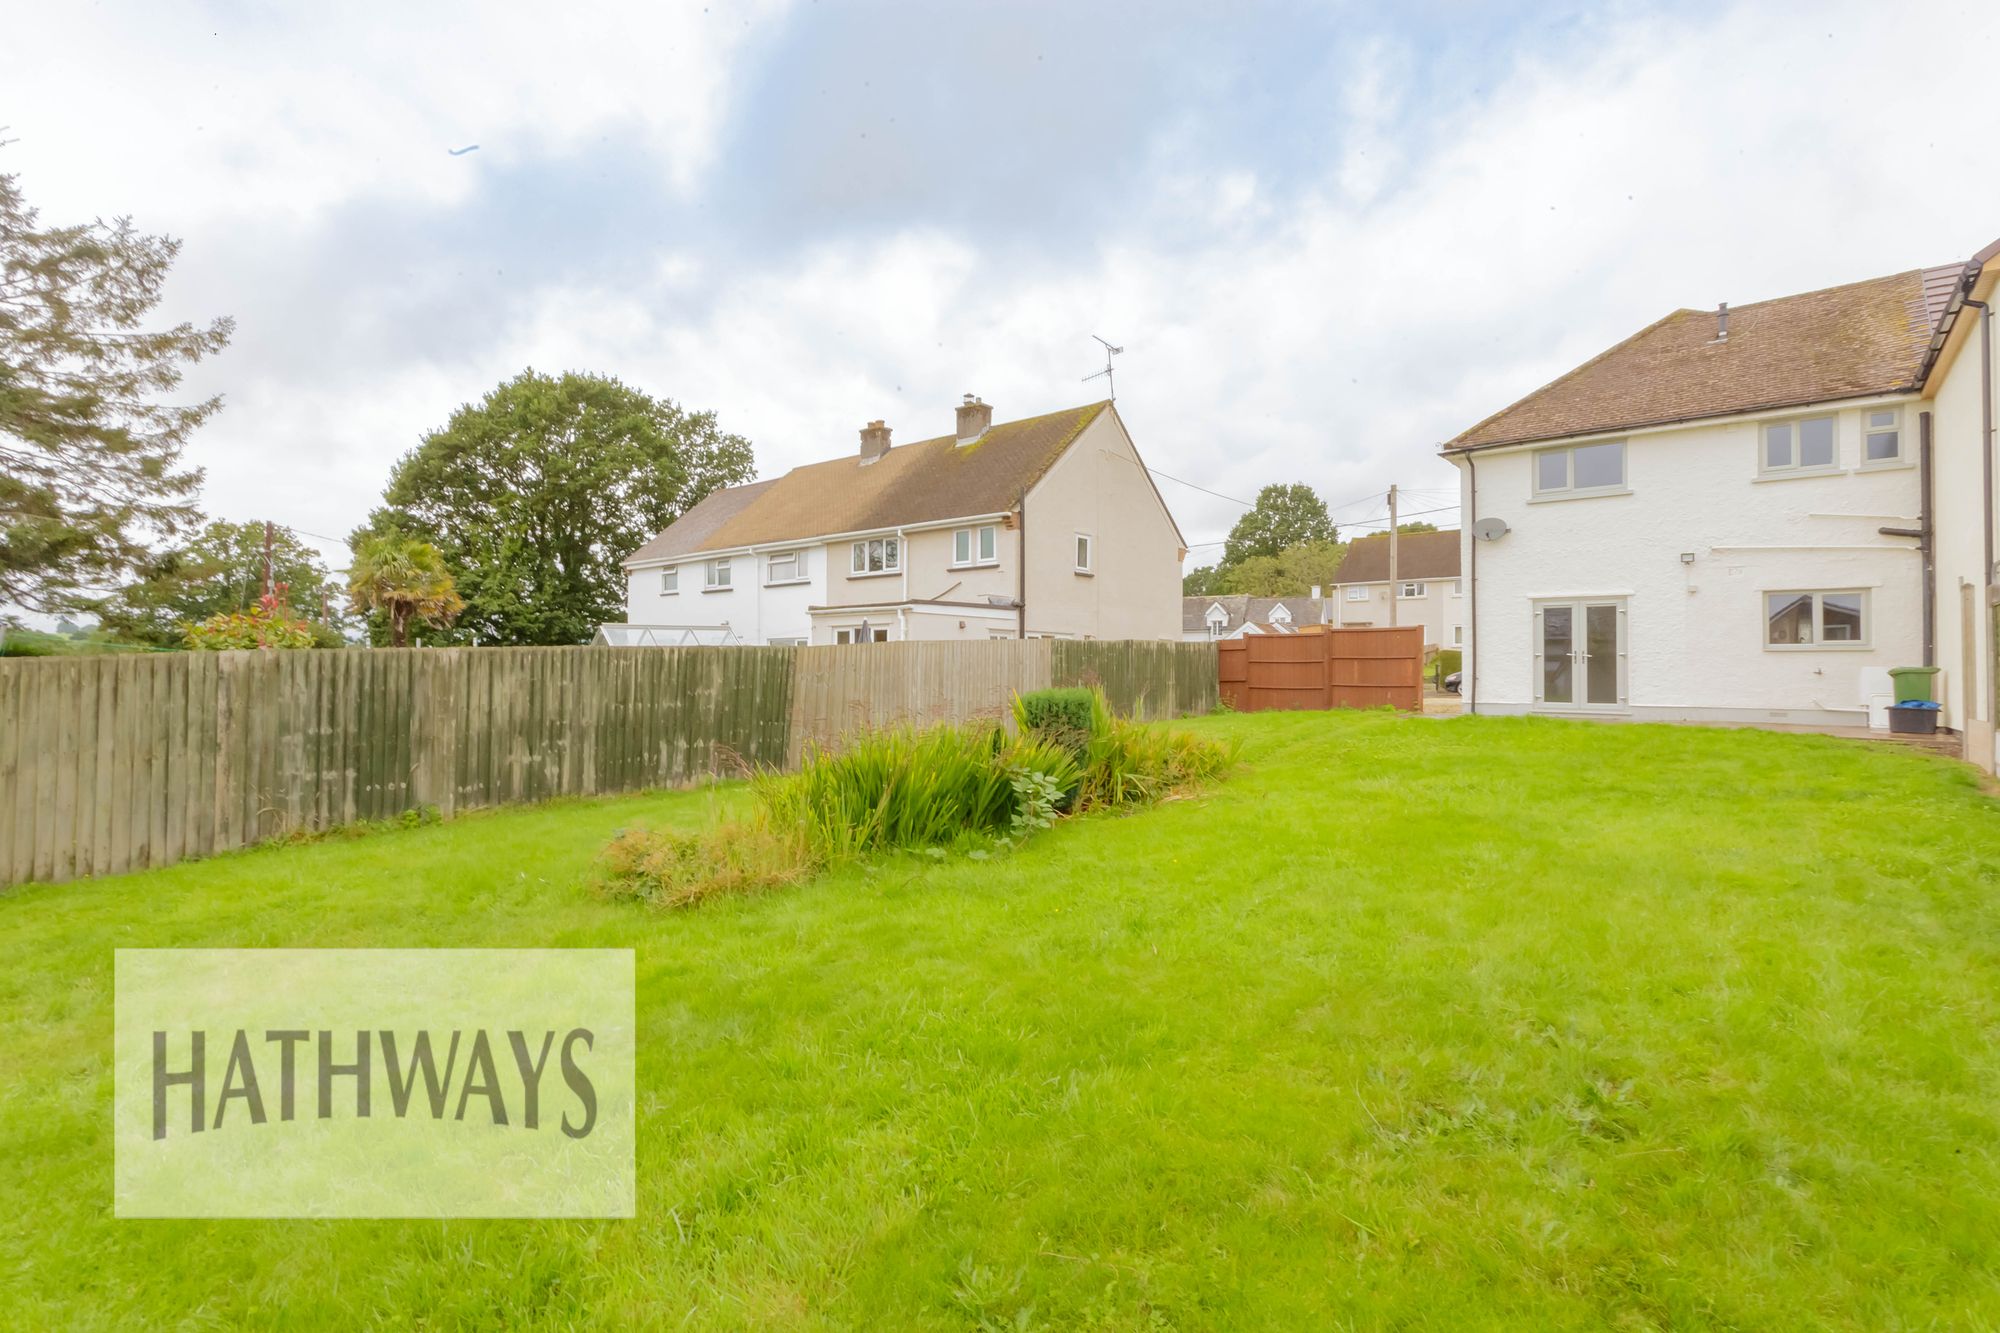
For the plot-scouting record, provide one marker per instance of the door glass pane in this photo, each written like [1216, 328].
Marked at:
[1600, 638]
[1840, 617]
[1789, 617]
[1816, 442]
[1558, 640]
[1599, 465]
[1778, 446]
[1552, 470]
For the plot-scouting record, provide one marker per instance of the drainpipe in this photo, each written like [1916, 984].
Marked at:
[1021, 567]
[1470, 682]
[1928, 542]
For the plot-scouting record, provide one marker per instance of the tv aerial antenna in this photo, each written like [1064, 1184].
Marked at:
[1110, 381]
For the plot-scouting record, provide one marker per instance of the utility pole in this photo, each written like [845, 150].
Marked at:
[1395, 586]
[267, 557]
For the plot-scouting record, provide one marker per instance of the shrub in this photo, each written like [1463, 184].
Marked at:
[1065, 714]
[671, 869]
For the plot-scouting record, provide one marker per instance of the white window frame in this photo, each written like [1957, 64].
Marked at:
[850, 634]
[1085, 551]
[785, 643]
[1819, 643]
[1869, 430]
[1458, 636]
[670, 581]
[1567, 490]
[1796, 468]
[859, 553]
[797, 559]
[1357, 593]
[973, 548]
[717, 576]
[1458, 587]
[1404, 594]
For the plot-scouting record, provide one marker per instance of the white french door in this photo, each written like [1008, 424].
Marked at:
[1580, 654]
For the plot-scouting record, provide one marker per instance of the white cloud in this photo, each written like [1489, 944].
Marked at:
[220, 111]
[1333, 332]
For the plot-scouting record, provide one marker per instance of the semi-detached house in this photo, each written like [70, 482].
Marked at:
[1748, 514]
[1046, 527]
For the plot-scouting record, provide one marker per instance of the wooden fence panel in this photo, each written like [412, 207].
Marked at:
[1353, 667]
[116, 763]
[1141, 679]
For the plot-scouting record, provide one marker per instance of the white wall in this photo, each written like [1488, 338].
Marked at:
[757, 611]
[1695, 632]
[1958, 488]
[1100, 487]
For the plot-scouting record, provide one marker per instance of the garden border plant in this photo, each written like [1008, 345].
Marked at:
[967, 787]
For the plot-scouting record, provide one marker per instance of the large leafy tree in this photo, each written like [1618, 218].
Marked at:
[404, 581]
[1285, 515]
[218, 572]
[538, 492]
[1293, 572]
[90, 470]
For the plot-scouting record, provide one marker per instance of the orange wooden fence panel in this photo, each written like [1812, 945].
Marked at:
[1356, 667]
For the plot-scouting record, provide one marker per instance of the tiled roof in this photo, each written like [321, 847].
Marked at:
[1239, 608]
[1419, 555]
[925, 482]
[1843, 342]
[697, 525]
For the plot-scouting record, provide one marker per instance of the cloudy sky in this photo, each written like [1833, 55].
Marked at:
[1327, 236]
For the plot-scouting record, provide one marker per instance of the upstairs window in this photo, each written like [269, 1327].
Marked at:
[1458, 587]
[785, 567]
[1582, 469]
[1882, 436]
[1805, 445]
[877, 555]
[1411, 590]
[670, 580]
[975, 546]
[716, 575]
[1083, 552]
[1357, 594]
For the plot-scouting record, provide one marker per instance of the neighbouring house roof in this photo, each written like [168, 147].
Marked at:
[1419, 556]
[1854, 341]
[925, 482]
[1238, 609]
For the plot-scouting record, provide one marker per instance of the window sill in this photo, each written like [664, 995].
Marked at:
[785, 583]
[1818, 647]
[1560, 497]
[877, 574]
[727, 587]
[1887, 465]
[1799, 474]
[1085, 573]
[976, 564]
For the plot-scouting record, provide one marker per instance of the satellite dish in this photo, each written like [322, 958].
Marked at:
[1490, 529]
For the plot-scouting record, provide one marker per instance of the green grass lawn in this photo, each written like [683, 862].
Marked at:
[1414, 1023]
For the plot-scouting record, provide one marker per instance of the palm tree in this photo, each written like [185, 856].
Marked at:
[406, 580]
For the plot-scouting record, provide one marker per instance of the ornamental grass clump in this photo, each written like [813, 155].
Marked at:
[951, 787]
[907, 789]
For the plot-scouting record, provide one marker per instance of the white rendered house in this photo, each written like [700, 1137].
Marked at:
[1049, 527]
[1747, 514]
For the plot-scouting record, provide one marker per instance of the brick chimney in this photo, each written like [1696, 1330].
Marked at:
[874, 441]
[973, 419]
